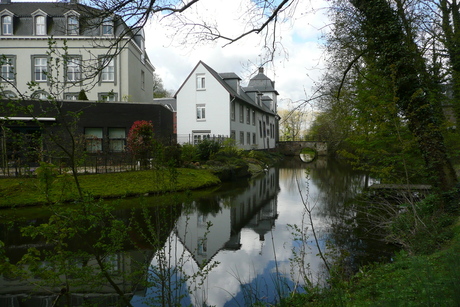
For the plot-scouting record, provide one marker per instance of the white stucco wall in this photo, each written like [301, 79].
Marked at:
[217, 105]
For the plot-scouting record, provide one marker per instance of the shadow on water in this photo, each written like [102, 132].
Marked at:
[233, 245]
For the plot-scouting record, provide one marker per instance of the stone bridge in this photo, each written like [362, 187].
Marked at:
[293, 148]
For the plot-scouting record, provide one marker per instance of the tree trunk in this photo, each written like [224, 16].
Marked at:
[394, 52]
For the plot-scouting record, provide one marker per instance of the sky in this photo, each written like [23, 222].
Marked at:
[296, 67]
[298, 61]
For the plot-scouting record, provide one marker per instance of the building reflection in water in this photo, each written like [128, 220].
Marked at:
[212, 226]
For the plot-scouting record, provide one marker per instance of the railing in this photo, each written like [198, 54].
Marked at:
[90, 164]
[197, 137]
[303, 138]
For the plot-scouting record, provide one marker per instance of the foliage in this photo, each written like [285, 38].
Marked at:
[429, 280]
[172, 155]
[82, 95]
[46, 176]
[158, 89]
[189, 153]
[207, 148]
[141, 142]
[293, 123]
[229, 149]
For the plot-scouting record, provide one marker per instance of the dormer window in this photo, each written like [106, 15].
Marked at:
[40, 25]
[107, 26]
[72, 25]
[7, 25]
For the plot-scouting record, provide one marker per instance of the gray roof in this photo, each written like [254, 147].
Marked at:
[242, 96]
[262, 83]
[170, 103]
[229, 75]
[53, 9]
[89, 17]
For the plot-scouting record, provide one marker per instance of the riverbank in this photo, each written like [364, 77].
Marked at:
[32, 191]
[49, 188]
[420, 280]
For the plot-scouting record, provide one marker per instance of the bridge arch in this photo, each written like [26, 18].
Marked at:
[293, 148]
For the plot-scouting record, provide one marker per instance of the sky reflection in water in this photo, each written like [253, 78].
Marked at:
[249, 240]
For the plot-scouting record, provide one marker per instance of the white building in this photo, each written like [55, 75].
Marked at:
[97, 52]
[210, 105]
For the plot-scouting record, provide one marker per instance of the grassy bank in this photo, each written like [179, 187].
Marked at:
[423, 280]
[31, 191]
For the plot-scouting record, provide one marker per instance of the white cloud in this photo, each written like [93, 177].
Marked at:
[294, 69]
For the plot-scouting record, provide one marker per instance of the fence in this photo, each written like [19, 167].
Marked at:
[302, 138]
[195, 138]
[90, 164]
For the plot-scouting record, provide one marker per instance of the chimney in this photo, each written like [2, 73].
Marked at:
[5, 2]
[261, 70]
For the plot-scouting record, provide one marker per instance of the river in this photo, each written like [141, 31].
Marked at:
[248, 241]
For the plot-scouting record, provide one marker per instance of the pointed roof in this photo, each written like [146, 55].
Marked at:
[262, 83]
[220, 78]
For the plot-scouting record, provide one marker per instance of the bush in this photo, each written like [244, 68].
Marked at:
[207, 148]
[189, 153]
[230, 149]
[173, 155]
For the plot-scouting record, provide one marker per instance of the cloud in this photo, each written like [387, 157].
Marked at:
[297, 63]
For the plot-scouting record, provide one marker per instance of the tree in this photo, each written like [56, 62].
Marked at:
[141, 142]
[392, 49]
[293, 123]
[158, 89]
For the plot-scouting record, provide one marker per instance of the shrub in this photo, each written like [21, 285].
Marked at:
[207, 147]
[230, 149]
[189, 153]
[140, 141]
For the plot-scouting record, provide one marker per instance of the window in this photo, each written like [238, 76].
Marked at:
[200, 82]
[71, 96]
[111, 96]
[72, 25]
[40, 69]
[248, 138]
[242, 138]
[253, 117]
[142, 79]
[107, 26]
[7, 69]
[248, 116]
[202, 246]
[73, 69]
[117, 137]
[41, 95]
[200, 112]
[7, 25]
[198, 137]
[241, 113]
[233, 135]
[254, 138]
[40, 25]
[108, 72]
[93, 137]
[7, 94]
[232, 110]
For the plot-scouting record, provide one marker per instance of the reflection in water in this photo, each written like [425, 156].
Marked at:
[246, 249]
[246, 242]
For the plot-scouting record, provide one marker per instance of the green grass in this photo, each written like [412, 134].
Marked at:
[29, 191]
[423, 280]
